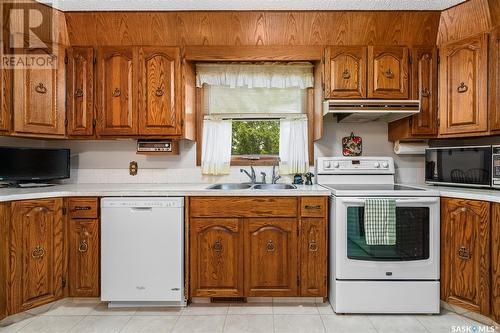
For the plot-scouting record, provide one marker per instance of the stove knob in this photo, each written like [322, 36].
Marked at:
[328, 165]
[376, 165]
[336, 164]
[385, 165]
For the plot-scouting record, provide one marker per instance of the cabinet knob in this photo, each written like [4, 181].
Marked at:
[345, 74]
[425, 92]
[117, 92]
[83, 247]
[78, 92]
[40, 88]
[462, 88]
[463, 253]
[313, 246]
[270, 246]
[389, 74]
[217, 246]
[159, 92]
[38, 252]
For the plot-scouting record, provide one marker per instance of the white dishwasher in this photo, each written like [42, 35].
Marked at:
[142, 251]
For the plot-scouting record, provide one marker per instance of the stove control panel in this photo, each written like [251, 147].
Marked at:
[355, 165]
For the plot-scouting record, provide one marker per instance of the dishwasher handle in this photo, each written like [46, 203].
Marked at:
[141, 209]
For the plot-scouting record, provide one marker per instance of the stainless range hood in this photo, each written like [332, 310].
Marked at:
[366, 110]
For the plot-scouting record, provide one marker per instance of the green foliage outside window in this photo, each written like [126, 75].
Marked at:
[256, 137]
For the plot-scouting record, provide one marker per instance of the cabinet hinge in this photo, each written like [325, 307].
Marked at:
[66, 59]
[439, 122]
[410, 59]
[438, 60]
[182, 123]
[94, 61]
[66, 122]
[63, 282]
[94, 122]
[298, 281]
[323, 86]
[64, 211]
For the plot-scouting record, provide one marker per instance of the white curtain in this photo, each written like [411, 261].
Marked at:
[216, 148]
[294, 146]
[251, 75]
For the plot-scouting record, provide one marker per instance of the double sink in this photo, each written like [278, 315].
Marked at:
[236, 186]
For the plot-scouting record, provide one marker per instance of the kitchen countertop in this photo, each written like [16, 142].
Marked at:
[150, 190]
[464, 193]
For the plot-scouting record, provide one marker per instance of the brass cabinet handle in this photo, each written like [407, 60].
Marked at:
[40, 88]
[117, 92]
[159, 92]
[218, 246]
[389, 74]
[425, 92]
[83, 247]
[77, 208]
[313, 246]
[345, 74]
[462, 88]
[463, 253]
[270, 246]
[38, 252]
[78, 92]
[312, 207]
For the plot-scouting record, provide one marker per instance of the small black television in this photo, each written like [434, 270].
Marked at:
[33, 164]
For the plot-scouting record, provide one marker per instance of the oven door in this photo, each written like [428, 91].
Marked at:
[415, 256]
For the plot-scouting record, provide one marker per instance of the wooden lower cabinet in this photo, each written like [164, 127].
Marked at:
[4, 258]
[271, 257]
[216, 257]
[36, 253]
[84, 263]
[257, 246]
[465, 254]
[495, 262]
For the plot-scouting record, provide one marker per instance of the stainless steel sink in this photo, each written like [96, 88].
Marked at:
[229, 186]
[274, 187]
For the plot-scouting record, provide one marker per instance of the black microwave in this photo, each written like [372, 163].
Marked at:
[471, 166]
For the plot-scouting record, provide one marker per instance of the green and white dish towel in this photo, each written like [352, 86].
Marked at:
[380, 221]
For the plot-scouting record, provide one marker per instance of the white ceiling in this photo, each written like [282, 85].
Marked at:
[172, 5]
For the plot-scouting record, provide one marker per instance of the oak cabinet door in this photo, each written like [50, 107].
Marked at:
[117, 91]
[313, 257]
[345, 72]
[388, 72]
[38, 97]
[495, 262]
[84, 264]
[494, 81]
[424, 88]
[271, 257]
[463, 87]
[216, 264]
[80, 91]
[160, 91]
[36, 253]
[465, 253]
[5, 93]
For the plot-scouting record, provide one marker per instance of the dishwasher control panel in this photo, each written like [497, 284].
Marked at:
[142, 202]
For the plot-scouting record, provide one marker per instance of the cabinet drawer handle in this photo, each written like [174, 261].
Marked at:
[270, 246]
[38, 252]
[159, 92]
[425, 92]
[40, 88]
[117, 92]
[77, 208]
[78, 92]
[463, 253]
[462, 88]
[313, 246]
[345, 74]
[83, 247]
[389, 74]
[218, 246]
[312, 207]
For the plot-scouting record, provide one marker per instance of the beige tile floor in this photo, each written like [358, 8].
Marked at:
[84, 315]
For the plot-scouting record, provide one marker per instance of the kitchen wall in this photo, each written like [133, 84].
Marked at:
[106, 161]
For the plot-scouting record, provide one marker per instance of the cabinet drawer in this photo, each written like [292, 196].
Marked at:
[313, 206]
[83, 208]
[243, 207]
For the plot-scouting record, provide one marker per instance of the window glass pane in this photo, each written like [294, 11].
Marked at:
[412, 236]
[256, 100]
[259, 137]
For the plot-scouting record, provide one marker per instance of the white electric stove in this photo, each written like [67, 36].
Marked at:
[399, 278]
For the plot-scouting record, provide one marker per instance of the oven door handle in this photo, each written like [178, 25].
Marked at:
[430, 200]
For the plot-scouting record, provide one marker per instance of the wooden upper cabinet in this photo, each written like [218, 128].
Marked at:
[463, 87]
[160, 91]
[345, 72]
[465, 253]
[388, 72]
[38, 97]
[80, 91]
[5, 93]
[36, 253]
[271, 257]
[424, 88]
[117, 91]
[216, 265]
[494, 81]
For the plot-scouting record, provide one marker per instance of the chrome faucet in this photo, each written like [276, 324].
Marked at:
[252, 176]
[275, 176]
[263, 174]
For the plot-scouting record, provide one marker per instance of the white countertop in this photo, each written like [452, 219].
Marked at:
[129, 190]
[464, 193]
